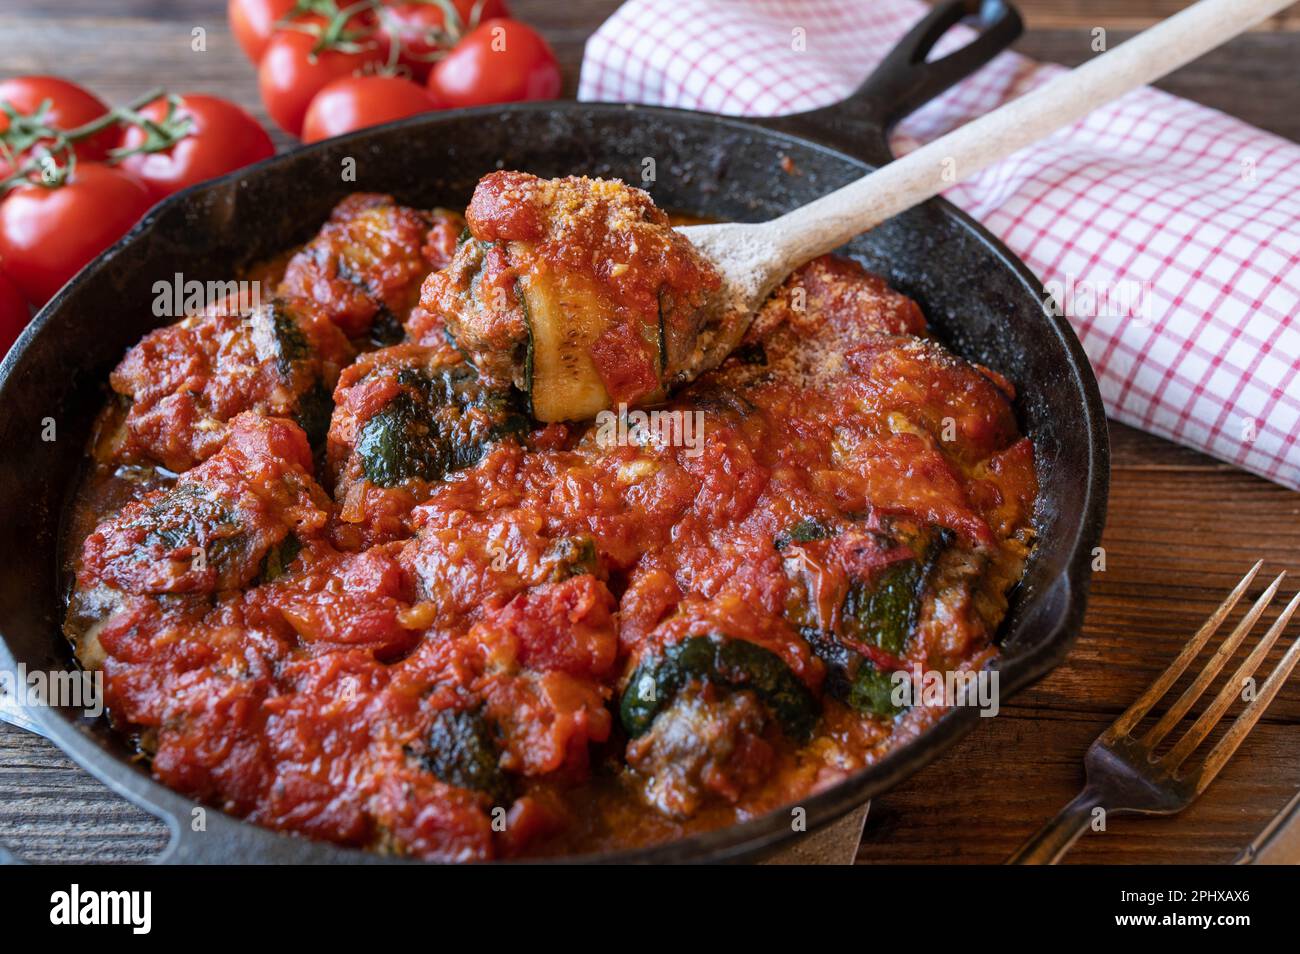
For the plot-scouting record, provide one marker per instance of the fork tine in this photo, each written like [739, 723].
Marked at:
[1210, 718]
[1212, 667]
[1134, 713]
[1227, 745]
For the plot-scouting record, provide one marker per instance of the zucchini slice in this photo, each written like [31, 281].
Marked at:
[291, 344]
[564, 320]
[276, 562]
[573, 556]
[462, 751]
[883, 613]
[880, 611]
[192, 518]
[439, 423]
[278, 329]
[730, 663]
[807, 530]
[871, 690]
[851, 678]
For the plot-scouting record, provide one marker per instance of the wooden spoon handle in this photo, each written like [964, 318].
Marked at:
[832, 220]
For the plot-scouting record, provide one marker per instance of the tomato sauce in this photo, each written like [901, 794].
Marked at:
[451, 632]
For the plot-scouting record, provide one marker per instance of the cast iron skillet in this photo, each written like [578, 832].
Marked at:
[979, 298]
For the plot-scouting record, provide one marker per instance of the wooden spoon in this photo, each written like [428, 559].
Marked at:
[755, 258]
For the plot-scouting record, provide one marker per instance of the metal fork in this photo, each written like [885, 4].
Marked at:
[1124, 775]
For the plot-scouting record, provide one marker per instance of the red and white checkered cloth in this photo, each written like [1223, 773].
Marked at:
[1168, 232]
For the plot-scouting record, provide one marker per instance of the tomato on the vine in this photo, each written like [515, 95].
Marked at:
[354, 102]
[500, 61]
[253, 22]
[13, 313]
[221, 137]
[70, 106]
[421, 29]
[47, 235]
[292, 73]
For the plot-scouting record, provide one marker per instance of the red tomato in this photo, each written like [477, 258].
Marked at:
[70, 107]
[290, 75]
[222, 138]
[253, 22]
[13, 314]
[501, 61]
[410, 24]
[355, 102]
[47, 235]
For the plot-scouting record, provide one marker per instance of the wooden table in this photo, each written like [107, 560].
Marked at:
[1182, 527]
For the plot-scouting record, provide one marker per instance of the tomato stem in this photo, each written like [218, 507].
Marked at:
[52, 152]
[335, 32]
[112, 117]
[159, 135]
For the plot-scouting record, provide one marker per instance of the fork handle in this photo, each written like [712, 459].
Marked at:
[1050, 843]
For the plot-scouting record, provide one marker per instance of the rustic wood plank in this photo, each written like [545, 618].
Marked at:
[187, 10]
[122, 58]
[1123, 14]
[976, 805]
[1245, 77]
[52, 811]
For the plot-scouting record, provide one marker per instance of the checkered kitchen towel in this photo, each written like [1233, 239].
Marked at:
[1168, 232]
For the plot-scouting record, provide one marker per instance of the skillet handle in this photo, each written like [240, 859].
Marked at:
[904, 81]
